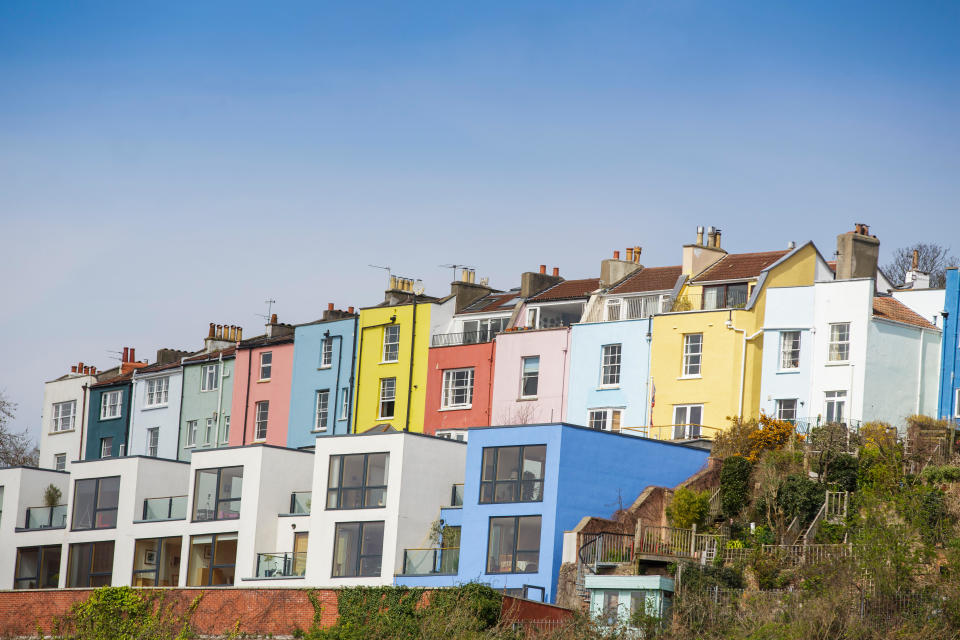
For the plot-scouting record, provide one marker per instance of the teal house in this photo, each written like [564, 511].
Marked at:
[108, 418]
[615, 600]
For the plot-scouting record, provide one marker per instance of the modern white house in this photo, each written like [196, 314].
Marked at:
[64, 416]
[155, 410]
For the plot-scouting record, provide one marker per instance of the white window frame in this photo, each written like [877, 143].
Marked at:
[837, 346]
[686, 430]
[153, 441]
[210, 377]
[63, 421]
[524, 376]
[533, 317]
[326, 353]
[192, 429]
[457, 382]
[611, 358]
[106, 447]
[226, 430]
[266, 367]
[344, 403]
[321, 410]
[689, 354]
[790, 350]
[210, 431]
[391, 343]
[835, 398]
[60, 461]
[605, 418]
[383, 398]
[156, 392]
[110, 410]
[614, 309]
[779, 407]
[261, 420]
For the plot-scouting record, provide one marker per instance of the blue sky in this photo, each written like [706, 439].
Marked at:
[164, 165]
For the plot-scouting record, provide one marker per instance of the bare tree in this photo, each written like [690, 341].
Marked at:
[932, 258]
[16, 449]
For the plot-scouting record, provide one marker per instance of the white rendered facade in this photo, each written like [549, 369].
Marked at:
[156, 405]
[63, 419]
[22, 488]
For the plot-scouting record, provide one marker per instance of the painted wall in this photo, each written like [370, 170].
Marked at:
[788, 309]
[165, 417]
[478, 356]
[553, 347]
[928, 303]
[948, 402]
[586, 353]
[65, 389]
[22, 488]
[116, 428]
[243, 409]
[199, 405]
[309, 376]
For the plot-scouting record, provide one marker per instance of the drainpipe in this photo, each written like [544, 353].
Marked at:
[413, 337]
[919, 371]
[743, 359]
[246, 402]
[353, 360]
[133, 400]
[493, 363]
[336, 389]
[219, 395]
[647, 408]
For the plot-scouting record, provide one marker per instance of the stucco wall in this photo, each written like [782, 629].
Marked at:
[950, 350]
[23, 488]
[199, 405]
[166, 417]
[788, 309]
[276, 390]
[67, 442]
[553, 347]
[478, 356]
[115, 428]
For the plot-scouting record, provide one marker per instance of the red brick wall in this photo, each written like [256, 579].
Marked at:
[518, 610]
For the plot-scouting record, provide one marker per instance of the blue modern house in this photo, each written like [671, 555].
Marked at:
[321, 394]
[949, 404]
[526, 485]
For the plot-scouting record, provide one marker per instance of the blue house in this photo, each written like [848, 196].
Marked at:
[526, 485]
[949, 404]
[108, 418]
[321, 394]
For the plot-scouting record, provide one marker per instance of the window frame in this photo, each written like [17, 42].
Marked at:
[449, 389]
[524, 377]
[57, 457]
[516, 537]
[320, 424]
[344, 403]
[391, 340]
[193, 430]
[688, 433]
[518, 482]
[611, 365]
[153, 442]
[381, 399]
[41, 550]
[793, 352]
[88, 557]
[214, 540]
[266, 367]
[261, 416]
[217, 500]
[609, 305]
[358, 561]
[206, 371]
[225, 439]
[689, 355]
[59, 417]
[779, 407]
[363, 487]
[106, 447]
[837, 346]
[836, 397]
[96, 500]
[326, 353]
[156, 392]
[105, 404]
[159, 559]
[609, 420]
[723, 295]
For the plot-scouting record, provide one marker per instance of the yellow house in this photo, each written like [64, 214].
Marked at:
[393, 340]
[706, 353]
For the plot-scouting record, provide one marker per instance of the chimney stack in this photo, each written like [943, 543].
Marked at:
[133, 357]
[916, 260]
[532, 283]
[697, 257]
[857, 253]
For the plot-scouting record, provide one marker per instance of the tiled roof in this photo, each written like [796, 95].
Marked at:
[492, 302]
[740, 266]
[213, 355]
[651, 279]
[893, 309]
[155, 367]
[568, 290]
[833, 265]
[265, 341]
[112, 381]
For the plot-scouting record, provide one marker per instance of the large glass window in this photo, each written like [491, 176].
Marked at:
[212, 561]
[357, 549]
[457, 388]
[157, 391]
[687, 419]
[95, 503]
[323, 410]
[512, 474]
[357, 481]
[388, 397]
[530, 377]
[725, 296]
[263, 415]
[610, 366]
[210, 377]
[391, 343]
[840, 342]
[156, 562]
[216, 494]
[266, 365]
[514, 544]
[90, 564]
[64, 414]
[790, 350]
[692, 354]
[110, 404]
[475, 331]
[37, 568]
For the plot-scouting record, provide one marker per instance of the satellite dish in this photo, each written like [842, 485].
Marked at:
[418, 287]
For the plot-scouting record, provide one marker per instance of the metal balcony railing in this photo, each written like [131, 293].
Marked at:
[700, 302]
[456, 495]
[282, 564]
[425, 562]
[465, 337]
[46, 517]
[300, 502]
[169, 508]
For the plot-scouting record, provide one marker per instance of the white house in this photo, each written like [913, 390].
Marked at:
[155, 410]
[31, 535]
[64, 417]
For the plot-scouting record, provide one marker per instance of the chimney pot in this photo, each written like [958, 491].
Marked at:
[273, 318]
[916, 260]
[629, 254]
[80, 366]
[92, 370]
[349, 309]
[211, 334]
[556, 272]
[543, 269]
[329, 306]
[700, 234]
[616, 255]
[133, 358]
[126, 354]
[636, 254]
[239, 334]
[716, 239]
[86, 370]
[73, 369]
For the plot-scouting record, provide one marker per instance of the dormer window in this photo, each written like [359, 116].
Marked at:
[613, 309]
[725, 296]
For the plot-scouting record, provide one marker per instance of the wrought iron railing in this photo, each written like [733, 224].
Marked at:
[456, 495]
[286, 564]
[606, 548]
[46, 517]
[424, 562]
[464, 337]
[300, 502]
[169, 508]
[675, 542]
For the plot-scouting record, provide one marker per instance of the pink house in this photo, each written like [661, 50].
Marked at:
[530, 376]
[263, 373]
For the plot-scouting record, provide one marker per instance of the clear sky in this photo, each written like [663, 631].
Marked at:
[165, 165]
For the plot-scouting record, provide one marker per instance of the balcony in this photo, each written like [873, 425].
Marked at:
[169, 508]
[732, 299]
[300, 502]
[456, 495]
[431, 562]
[46, 518]
[283, 564]
[465, 337]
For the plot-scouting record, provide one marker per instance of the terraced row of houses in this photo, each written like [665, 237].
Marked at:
[459, 437]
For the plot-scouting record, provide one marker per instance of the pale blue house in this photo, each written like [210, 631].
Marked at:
[321, 394]
[949, 402]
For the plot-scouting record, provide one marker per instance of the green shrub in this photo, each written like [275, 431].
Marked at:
[123, 613]
[734, 485]
[941, 474]
[842, 472]
[688, 508]
[801, 497]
